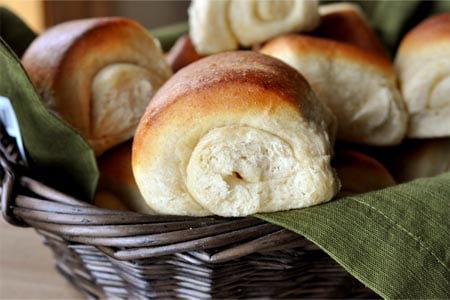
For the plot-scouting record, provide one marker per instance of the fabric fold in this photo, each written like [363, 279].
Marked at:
[395, 240]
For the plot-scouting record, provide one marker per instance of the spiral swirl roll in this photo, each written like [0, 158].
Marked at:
[98, 75]
[359, 86]
[423, 65]
[234, 134]
[217, 26]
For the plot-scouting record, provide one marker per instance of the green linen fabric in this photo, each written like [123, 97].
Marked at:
[54, 149]
[396, 241]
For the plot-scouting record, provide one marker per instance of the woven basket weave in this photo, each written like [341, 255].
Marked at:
[111, 254]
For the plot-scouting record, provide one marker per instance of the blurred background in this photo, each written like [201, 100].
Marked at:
[390, 19]
[41, 14]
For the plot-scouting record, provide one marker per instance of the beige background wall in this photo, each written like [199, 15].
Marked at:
[32, 11]
[150, 13]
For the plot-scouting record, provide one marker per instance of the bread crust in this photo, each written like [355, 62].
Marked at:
[346, 22]
[182, 53]
[423, 64]
[428, 33]
[359, 86]
[117, 180]
[56, 53]
[234, 92]
[331, 49]
[64, 61]
[229, 71]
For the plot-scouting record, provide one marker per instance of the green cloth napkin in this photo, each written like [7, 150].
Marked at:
[55, 150]
[396, 241]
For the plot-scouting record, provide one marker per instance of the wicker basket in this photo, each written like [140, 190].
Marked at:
[106, 253]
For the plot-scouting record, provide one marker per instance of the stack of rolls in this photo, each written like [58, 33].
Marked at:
[423, 65]
[238, 133]
[244, 132]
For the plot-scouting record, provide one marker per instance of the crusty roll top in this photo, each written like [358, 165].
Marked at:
[304, 45]
[359, 86]
[234, 134]
[346, 22]
[97, 74]
[428, 34]
[260, 73]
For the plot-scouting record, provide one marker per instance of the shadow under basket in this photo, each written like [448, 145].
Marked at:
[112, 254]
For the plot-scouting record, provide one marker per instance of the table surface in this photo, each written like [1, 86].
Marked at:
[27, 267]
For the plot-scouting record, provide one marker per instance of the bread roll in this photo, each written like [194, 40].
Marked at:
[346, 22]
[217, 26]
[358, 86]
[106, 199]
[360, 173]
[98, 75]
[117, 188]
[423, 65]
[182, 53]
[234, 134]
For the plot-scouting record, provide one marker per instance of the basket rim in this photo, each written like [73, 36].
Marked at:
[125, 235]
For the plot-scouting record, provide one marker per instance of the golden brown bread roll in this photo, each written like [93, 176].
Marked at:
[360, 173]
[106, 199]
[234, 134]
[98, 75]
[117, 188]
[182, 53]
[423, 65]
[360, 87]
[346, 22]
[217, 26]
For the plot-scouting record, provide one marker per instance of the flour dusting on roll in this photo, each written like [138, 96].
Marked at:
[234, 134]
[423, 65]
[359, 86]
[98, 75]
[217, 26]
